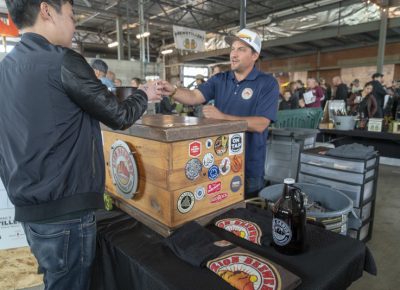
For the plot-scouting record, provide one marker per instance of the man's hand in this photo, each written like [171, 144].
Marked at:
[212, 112]
[153, 90]
[167, 88]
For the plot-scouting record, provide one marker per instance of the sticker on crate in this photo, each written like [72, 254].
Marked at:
[185, 202]
[214, 187]
[193, 169]
[225, 166]
[208, 160]
[213, 172]
[236, 144]
[236, 163]
[236, 183]
[209, 143]
[200, 193]
[219, 197]
[221, 145]
[195, 149]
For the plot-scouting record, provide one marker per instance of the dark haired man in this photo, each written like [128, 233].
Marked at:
[379, 93]
[244, 93]
[51, 155]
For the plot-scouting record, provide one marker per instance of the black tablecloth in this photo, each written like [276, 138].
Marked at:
[132, 256]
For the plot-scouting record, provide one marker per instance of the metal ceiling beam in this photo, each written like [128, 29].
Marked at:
[330, 32]
[303, 38]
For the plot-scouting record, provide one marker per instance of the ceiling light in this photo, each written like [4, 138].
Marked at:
[167, 51]
[113, 44]
[144, 34]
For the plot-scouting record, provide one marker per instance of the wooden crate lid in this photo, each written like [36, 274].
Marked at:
[168, 128]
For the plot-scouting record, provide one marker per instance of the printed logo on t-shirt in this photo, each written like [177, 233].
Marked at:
[245, 271]
[247, 93]
[241, 228]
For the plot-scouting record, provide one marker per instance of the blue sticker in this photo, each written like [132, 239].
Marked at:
[236, 183]
[213, 172]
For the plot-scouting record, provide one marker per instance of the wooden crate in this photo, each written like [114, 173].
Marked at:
[170, 191]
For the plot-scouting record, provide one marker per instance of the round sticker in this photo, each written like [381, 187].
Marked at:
[213, 172]
[236, 183]
[193, 168]
[221, 145]
[208, 160]
[185, 202]
[236, 163]
[225, 166]
[123, 169]
[199, 193]
[247, 93]
[209, 143]
[281, 232]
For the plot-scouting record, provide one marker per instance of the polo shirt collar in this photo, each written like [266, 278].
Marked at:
[250, 77]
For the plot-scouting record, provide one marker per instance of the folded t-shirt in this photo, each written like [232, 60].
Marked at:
[245, 270]
[247, 225]
[195, 244]
[240, 268]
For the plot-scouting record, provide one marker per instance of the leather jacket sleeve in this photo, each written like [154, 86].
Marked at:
[83, 87]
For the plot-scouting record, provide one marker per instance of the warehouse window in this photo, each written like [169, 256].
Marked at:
[190, 72]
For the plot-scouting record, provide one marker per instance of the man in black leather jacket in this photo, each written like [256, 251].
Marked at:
[51, 153]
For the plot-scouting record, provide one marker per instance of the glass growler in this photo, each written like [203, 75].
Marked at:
[289, 220]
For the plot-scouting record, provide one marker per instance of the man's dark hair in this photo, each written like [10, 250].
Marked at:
[25, 12]
[137, 80]
[99, 65]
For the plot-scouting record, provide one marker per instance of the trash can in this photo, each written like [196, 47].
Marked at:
[338, 205]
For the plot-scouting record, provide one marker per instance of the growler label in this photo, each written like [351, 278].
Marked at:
[281, 232]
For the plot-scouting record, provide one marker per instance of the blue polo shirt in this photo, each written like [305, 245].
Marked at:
[256, 95]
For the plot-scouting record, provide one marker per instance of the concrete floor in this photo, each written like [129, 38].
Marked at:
[385, 241]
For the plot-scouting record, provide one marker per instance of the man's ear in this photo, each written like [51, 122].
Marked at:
[45, 11]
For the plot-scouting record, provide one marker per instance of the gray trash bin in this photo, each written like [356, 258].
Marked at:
[338, 205]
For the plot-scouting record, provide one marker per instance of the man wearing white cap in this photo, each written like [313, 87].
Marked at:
[244, 93]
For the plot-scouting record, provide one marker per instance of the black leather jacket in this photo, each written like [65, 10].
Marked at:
[51, 153]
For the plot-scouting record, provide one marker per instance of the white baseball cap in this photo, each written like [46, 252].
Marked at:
[247, 36]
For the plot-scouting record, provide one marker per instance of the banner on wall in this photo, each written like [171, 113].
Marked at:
[11, 233]
[189, 39]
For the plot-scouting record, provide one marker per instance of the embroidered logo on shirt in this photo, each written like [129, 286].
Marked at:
[247, 93]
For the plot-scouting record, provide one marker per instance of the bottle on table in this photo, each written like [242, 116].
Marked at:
[289, 220]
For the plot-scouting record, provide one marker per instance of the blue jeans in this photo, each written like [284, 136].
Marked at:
[64, 250]
[252, 186]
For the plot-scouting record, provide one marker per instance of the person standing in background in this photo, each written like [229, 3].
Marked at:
[51, 152]
[243, 93]
[341, 89]
[100, 70]
[135, 82]
[379, 93]
[313, 95]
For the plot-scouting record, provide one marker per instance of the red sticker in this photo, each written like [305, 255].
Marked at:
[214, 187]
[194, 149]
[219, 197]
